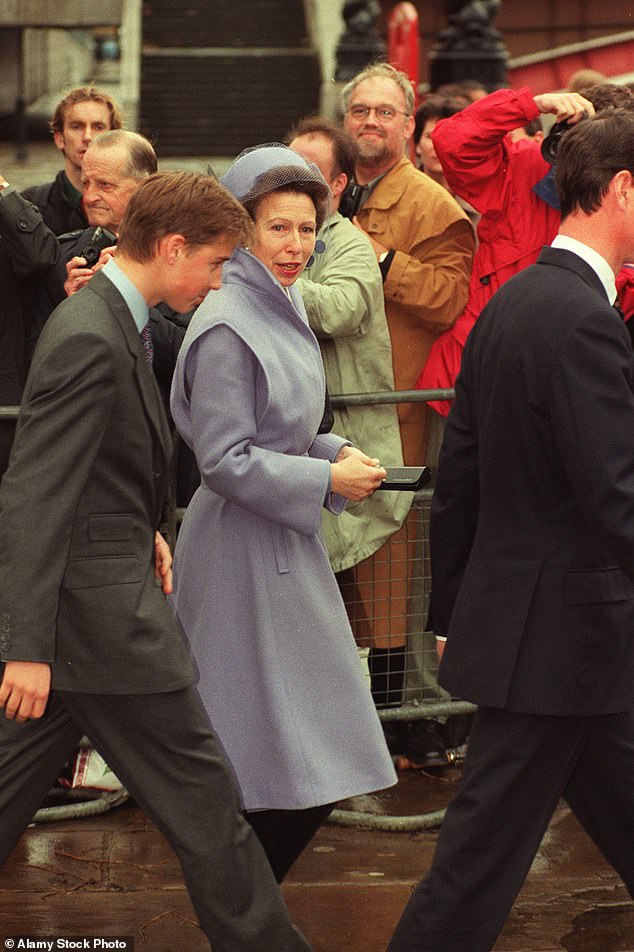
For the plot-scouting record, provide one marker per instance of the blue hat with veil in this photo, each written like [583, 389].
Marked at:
[272, 167]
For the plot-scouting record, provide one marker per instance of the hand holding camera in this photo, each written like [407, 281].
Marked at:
[92, 257]
[568, 109]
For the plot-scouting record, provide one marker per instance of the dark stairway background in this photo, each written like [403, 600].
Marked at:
[220, 75]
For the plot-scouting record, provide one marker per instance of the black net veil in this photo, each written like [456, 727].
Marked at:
[272, 167]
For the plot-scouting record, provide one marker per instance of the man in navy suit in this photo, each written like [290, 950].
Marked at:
[87, 641]
[533, 559]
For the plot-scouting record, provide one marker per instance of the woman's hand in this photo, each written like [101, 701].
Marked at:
[355, 475]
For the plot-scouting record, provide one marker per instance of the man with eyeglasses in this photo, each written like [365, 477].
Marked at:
[422, 239]
[424, 244]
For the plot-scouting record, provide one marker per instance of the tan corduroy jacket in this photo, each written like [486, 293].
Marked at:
[427, 284]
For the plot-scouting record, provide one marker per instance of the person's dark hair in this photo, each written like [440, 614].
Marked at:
[589, 156]
[466, 91]
[434, 107]
[85, 94]
[473, 86]
[343, 147]
[269, 182]
[195, 206]
[609, 96]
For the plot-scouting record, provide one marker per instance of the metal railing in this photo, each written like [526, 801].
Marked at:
[412, 707]
[422, 699]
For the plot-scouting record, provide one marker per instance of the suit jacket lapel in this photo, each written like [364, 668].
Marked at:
[146, 381]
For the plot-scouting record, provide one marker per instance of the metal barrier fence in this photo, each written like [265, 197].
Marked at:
[407, 568]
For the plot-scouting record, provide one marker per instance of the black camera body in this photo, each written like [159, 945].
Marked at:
[351, 198]
[101, 238]
[550, 145]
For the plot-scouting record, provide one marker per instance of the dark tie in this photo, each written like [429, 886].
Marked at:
[148, 343]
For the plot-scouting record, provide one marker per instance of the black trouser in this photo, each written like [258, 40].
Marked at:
[517, 768]
[161, 748]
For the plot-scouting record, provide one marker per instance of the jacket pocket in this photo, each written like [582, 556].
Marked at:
[110, 527]
[96, 573]
[610, 584]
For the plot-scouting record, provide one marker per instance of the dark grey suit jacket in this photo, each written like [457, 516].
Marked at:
[80, 504]
[532, 529]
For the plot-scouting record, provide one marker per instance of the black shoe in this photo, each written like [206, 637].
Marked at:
[426, 743]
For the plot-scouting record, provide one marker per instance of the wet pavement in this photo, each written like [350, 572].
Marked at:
[114, 875]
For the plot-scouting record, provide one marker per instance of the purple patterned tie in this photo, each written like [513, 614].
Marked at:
[148, 343]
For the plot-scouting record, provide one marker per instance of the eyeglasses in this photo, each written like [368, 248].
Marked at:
[383, 114]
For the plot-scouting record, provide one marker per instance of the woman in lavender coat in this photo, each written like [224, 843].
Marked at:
[253, 588]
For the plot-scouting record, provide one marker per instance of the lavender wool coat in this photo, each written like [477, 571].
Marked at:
[253, 590]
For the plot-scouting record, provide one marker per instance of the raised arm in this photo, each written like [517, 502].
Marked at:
[473, 147]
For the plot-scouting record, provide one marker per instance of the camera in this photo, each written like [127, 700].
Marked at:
[101, 238]
[351, 199]
[550, 145]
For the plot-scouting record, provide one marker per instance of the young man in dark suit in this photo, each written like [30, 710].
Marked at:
[533, 559]
[88, 642]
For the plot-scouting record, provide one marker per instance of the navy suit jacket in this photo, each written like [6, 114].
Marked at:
[532, 524]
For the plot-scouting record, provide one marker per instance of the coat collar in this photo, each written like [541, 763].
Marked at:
[245, 269]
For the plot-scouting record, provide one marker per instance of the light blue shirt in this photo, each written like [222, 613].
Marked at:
[591, 257]
[129, 292]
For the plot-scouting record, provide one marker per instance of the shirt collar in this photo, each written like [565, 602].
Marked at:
[369, 188]
[129, 292]
[596, 261]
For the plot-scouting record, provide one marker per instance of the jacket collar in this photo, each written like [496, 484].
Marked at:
[390, 187]
[563, 258]
[547, 190]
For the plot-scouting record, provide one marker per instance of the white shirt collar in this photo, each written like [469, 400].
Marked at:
[596, 261]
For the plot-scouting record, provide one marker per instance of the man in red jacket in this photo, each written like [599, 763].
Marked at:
[509, 183]
[512, 185]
